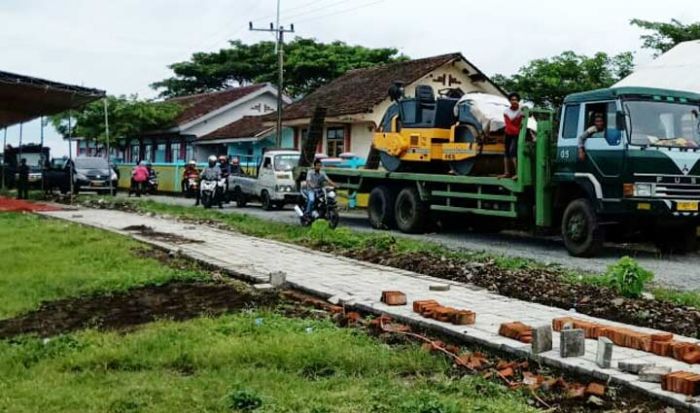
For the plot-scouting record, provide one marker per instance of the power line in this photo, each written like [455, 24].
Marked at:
[340, 11]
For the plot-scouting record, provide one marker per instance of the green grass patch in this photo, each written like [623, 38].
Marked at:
[254, 361]
[43, 259]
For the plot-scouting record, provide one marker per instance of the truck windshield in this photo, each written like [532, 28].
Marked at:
[286, 162]
[664, 124]
[34, 160]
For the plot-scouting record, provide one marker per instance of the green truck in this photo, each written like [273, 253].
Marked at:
[639, 177]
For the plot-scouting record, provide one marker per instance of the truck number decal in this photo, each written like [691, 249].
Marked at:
[564, 154]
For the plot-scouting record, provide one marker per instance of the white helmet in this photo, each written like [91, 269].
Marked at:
[213, 158]
[192, 162]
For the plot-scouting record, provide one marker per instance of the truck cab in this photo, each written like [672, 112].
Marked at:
[638, 174]
[272, 184]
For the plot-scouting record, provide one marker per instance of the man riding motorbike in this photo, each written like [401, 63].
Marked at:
[212, 173]
[315, 180]
[190, 172]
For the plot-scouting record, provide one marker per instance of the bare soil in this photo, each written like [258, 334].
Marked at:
[148, 232]
[120, 311]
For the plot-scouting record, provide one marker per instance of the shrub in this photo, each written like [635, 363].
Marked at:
[627, 277]
[244, 401]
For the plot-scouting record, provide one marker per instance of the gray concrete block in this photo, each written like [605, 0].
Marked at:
[541, 339]
[439, 287]
[572, 343]
[264, 287]
[603, 356]
[653, 374]
[278, 279]
[633, 366]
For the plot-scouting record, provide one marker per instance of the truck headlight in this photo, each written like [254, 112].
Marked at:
[80, 176]
[643, 190]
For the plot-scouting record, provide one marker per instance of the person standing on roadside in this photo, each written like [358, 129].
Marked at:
[23, 180]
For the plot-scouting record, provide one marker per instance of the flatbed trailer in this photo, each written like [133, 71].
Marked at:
[527, 199]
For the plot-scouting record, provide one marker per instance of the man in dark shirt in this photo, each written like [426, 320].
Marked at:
[23, 180]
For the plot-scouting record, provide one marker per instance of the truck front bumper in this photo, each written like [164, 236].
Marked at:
[287, 197]
[654, 207]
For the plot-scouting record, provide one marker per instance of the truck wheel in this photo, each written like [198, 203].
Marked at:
[583, 236]
[410, 212]
[680, 240]
[266, 201]
[380, 210]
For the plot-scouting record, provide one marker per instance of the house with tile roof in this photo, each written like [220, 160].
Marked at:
[197, 131]
[357, 100]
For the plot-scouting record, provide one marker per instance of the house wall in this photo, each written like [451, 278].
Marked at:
[254, 150]
[260, 105]
[361, 137]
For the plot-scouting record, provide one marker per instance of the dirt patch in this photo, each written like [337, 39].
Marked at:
[177, 301]
[542, 286]
[19, 205]
[148, 232]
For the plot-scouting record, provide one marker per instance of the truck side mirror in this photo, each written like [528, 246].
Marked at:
[620, 121]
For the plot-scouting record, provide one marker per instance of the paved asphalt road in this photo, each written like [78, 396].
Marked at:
[680, 271]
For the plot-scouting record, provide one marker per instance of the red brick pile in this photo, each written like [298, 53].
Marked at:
[433, 309]
[517, 331]
[661, 344]
[682, 382]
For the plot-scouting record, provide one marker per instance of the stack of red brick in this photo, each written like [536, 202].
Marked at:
[433, 309]
[661, 344]
[517, 331]
[682, 382]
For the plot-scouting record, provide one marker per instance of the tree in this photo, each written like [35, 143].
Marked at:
[128, 116]
[666, 35]
[308, 65]
[546, 82]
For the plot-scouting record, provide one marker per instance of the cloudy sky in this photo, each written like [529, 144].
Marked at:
[123, 45]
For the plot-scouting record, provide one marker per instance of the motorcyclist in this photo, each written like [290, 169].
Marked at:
[315, 180]
[212, 173]
[139, 176]
[236, 166]
[190, 172]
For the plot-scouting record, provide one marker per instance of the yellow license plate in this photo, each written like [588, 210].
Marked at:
[687, 206]
[97, 183]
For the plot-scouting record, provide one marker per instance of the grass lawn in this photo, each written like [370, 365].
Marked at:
[43, 259]
[289, 365]
[230, 363]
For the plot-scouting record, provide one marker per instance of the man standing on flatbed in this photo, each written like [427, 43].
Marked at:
[513, 117]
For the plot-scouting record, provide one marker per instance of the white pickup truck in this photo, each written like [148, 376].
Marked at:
[274, 184]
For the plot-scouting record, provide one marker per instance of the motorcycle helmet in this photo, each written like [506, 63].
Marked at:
[212, 160]
[222, 159]
[192, 163]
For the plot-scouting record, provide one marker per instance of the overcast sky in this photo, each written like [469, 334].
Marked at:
[122, 46]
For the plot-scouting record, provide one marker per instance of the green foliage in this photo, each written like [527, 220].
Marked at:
[46, 259]
[546, 82]
[666, 35]
[308, 65]
[627, 277]
[244, 401]
[128, 116]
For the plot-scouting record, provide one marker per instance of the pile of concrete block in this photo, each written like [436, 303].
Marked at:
[517, 331]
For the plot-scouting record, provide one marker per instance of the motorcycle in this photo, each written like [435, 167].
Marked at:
[152, 183]
[191, 186]
[325, 207]
[211, 190]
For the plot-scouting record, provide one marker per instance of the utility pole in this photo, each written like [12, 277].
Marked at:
[109, 158]
[279, 48]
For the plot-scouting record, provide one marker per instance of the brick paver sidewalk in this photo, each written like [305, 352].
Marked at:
[360, 284]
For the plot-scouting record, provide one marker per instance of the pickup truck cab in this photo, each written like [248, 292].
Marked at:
[273, 185]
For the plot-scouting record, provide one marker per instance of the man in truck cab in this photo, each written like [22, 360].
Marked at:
[315, 180]
[598, 127]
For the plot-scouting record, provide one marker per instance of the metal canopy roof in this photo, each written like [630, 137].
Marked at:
[23, 98]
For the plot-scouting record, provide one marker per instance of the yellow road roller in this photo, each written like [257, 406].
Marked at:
[438, 135]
